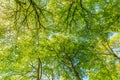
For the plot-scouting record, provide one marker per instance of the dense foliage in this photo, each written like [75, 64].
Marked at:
[59, 40]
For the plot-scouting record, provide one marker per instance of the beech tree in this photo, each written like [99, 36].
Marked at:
[59, 40]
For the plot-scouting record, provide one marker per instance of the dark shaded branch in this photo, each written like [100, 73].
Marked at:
[73, 15]
[20, 3]
[72, 67]
[110, 50]
[81, 5]
[39, 70]
[69, 12]
[33, 66]
[36, 12]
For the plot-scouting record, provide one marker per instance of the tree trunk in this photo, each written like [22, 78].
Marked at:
[39, 70]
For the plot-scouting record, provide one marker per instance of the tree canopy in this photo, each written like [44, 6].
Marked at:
[60, 40]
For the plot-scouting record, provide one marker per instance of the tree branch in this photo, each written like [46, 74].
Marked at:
[110, 50]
